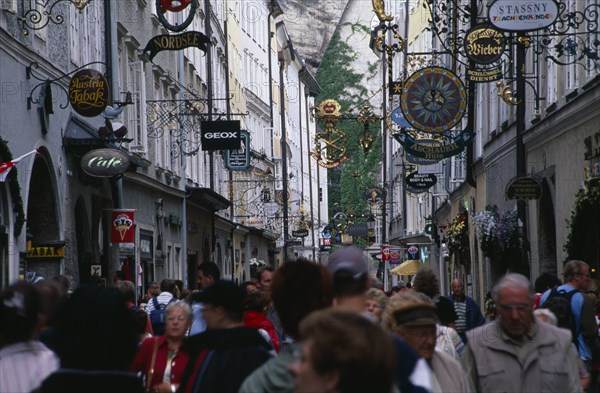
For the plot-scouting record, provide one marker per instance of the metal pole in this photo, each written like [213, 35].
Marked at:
[310, 184]
[284, 169]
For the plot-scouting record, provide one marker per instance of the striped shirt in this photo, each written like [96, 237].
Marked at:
[24, 365]
[163, 298]
[461, 312]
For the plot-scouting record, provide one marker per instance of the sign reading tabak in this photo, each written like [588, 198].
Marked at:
[188, 39]
[88, 92]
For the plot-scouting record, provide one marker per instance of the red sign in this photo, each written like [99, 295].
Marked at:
[122, 225]
[392, 254]
[327, 241]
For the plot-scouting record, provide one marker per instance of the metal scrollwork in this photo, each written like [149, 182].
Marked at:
[40, 13]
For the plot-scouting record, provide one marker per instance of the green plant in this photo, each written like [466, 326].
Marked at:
[457, 235]
[584, 216]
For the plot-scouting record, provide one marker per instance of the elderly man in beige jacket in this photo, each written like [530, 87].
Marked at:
[516, 352]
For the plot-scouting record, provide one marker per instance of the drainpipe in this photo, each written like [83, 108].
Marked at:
[184, 258]
[310, 185]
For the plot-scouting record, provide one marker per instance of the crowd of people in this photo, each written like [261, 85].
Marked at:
[302, 327]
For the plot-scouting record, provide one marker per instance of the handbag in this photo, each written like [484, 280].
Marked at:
[152, 362]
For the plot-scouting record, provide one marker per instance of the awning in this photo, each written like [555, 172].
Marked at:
[407, 268]
[207, 198]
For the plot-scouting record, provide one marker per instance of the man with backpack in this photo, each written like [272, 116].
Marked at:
[573, 310]
[157, 305]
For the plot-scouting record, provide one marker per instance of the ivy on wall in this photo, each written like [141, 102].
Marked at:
[15, 188]
[338, 81]
[583, 223]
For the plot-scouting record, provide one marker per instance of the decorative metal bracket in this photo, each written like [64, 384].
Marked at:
[41, 12]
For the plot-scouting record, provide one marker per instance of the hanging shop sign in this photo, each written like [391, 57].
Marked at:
[220, 135]
[484, 44]
[255, 222]
[122, 225]
[423, 161]
[89, 93]
[374, 194]
[523, 15]
[391, 254]
[413, 251]
[239, 160]
[105, 162]
[45, 251]
[358, 230]
[175, 6]
[398, 118]
[395, 88]
[524, 188]
[592, 154]
[300, 233]
[420, 181]
[181, 41]
[433, 100]
[434, 152]
[484, 75]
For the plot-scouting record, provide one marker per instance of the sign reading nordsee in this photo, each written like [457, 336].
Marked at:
[176, 42]
[88, 92]
[523, 15]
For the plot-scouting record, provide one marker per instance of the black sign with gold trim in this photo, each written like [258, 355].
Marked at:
[484, 44]
[176, 42]
[524, 188]
[89, 93]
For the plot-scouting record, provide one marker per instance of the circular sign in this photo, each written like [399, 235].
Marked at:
[421, 181]
[433, 99]
[523, 15]
[105, 162]
[164, 6]
[484, 44]
[89, 92]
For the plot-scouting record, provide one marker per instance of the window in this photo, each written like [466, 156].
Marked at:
[135, 115]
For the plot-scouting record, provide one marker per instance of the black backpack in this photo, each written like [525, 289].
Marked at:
[559, 302]
[157, 316]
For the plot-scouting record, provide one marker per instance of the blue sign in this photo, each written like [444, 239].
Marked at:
[398, 117]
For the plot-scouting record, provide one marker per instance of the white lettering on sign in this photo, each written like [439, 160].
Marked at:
[220, 135]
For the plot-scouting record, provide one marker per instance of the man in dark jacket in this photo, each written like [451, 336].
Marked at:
[227, 352]
[467, 310]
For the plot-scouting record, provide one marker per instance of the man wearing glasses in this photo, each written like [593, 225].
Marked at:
[577, 278]
[516, 352]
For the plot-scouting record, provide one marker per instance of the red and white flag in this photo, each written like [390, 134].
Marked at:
[5, 167]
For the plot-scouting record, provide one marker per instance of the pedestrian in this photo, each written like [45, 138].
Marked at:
[343, 352]
[163, 359]
[127, 288]
[412, 316]
[24, 361]
[580, 315]
[543, 283]
[255, 311]
[96, 340]
[517, 353]
[299, 288]
[227, 352]
[375, 303]
[264, 279]
[467, 310]
[208, 274]
[157, 305]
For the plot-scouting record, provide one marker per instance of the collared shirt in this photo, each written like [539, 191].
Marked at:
[23, 366]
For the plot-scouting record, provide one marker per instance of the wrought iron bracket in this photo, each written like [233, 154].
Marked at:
[41, 12]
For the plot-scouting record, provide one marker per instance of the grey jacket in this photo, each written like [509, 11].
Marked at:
[546, 361]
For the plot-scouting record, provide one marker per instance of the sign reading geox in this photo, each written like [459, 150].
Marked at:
[220, 135]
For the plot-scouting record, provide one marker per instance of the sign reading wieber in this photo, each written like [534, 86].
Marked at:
[122, 226]
[523, 15]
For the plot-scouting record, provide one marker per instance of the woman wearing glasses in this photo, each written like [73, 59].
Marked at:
[163, 359]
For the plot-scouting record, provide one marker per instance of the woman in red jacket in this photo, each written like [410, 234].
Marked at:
[163, 359]
[256, 305]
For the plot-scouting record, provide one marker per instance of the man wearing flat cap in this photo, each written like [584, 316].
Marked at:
[412, 316]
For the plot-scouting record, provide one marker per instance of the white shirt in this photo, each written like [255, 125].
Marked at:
[23, 366]
[163, 298]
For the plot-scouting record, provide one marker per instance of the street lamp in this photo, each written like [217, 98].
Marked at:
[284, 55]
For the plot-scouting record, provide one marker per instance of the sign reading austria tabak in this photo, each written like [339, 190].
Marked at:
[88, 92]
[523, 15]
[122, 225]
[176, 42]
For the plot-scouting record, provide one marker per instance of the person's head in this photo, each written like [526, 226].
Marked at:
[412, 316]
[153, 289]
[343, 352]
[445, 311]
[375, 302]
[63, 281]
[546, 281]
[168, 285]
[179, 284]
[426, 282]
[127, 288]
[208, 274]
[141, 321]
[250, 287]
[577, 274]
[53, 295]
[222, 305]
[457, 288]
[257, 301]
[20, 312]
[264, 278]
[545, 315]
[178, 317]
[299, 288]
[96, 330]
[514, 304]
[350, 270]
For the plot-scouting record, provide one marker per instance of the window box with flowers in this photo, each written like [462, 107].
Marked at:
[498, 233]
[457, 238]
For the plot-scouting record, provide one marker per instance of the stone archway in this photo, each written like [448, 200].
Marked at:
[547, 231]
[43, 228]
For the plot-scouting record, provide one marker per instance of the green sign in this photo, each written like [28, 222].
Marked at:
[239, 160]
[416, 149]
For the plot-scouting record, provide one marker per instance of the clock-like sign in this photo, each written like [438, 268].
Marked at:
[433, 100]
